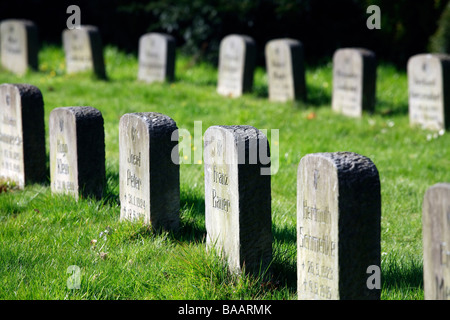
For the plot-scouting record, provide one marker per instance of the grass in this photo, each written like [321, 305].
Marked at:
[43, 234]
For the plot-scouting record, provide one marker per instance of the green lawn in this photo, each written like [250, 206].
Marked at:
[41, 234]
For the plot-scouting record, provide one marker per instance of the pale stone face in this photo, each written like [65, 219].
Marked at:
[236, 64]
[22, 134]
[63, 152]
[317, 232]
[156, 57]
[77, 151]
[11, 143]
[347, 83]
[353, 81]
[149, 179]
[134, 179]
[338, 226]
[221, 194]
[436, 242]
[285, 70]
[83, 50]
[78, 50]
[426, 91]
[18, 45]
[237, 197]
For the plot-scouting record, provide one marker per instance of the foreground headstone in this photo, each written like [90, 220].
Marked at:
[84, 50]
[238, 197]
[77, 151]
[156, 57]
[149, 177]
[237, 54]
[354, 81]
[338, 226]
[285, 70]
[429, 91]
[22, 134]
[436, 242]
[19, 45]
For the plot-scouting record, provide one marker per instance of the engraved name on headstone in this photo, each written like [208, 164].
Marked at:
[19, 45]
[354, 81]
[22, 134]
[238, 197]
[149, 179]
[84, 50]
[236, 65]
[156, 57]
[429, 91]
[285, 70]
[436, 242]
[338, 226]
[77, 151]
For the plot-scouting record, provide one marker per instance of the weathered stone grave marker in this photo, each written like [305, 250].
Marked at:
[285, 70]
[84, 51]
[238, 196]
[338, 226]
[354, 81]
[236, 65]
[19, 45]
[156, 57]
[436, 242]
[77, 151]
[22, 134]
[429, 91]
[149, 177]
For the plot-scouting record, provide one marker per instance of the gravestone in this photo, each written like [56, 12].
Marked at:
[22, 134]
[338, 226]
[354, 81]
[238, 197]
[285, 70]
[237, 54]
[77, 151]
[436, 242]
[149, 177]
[84, 50]
[19, 45]
[429, 91]
[156, 57]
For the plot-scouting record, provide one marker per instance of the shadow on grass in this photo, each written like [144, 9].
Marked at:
[111, 191]
[283, 267]
[284, 264]
[10, 207]
[197, 81]
[401, 275]
[192, 222]
[261, 91]
[387, 109]
[317, 96]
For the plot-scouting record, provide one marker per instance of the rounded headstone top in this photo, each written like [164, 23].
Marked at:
[362, 51]
[241, 132]
[88, 27]
[439, 185]
[25, 22]
[26, 91]
[288, 41]
[155, 121]
[165, 36]
[81, 111]
[244, 37]
[440, 56]
[83, 28]
[346, 161]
